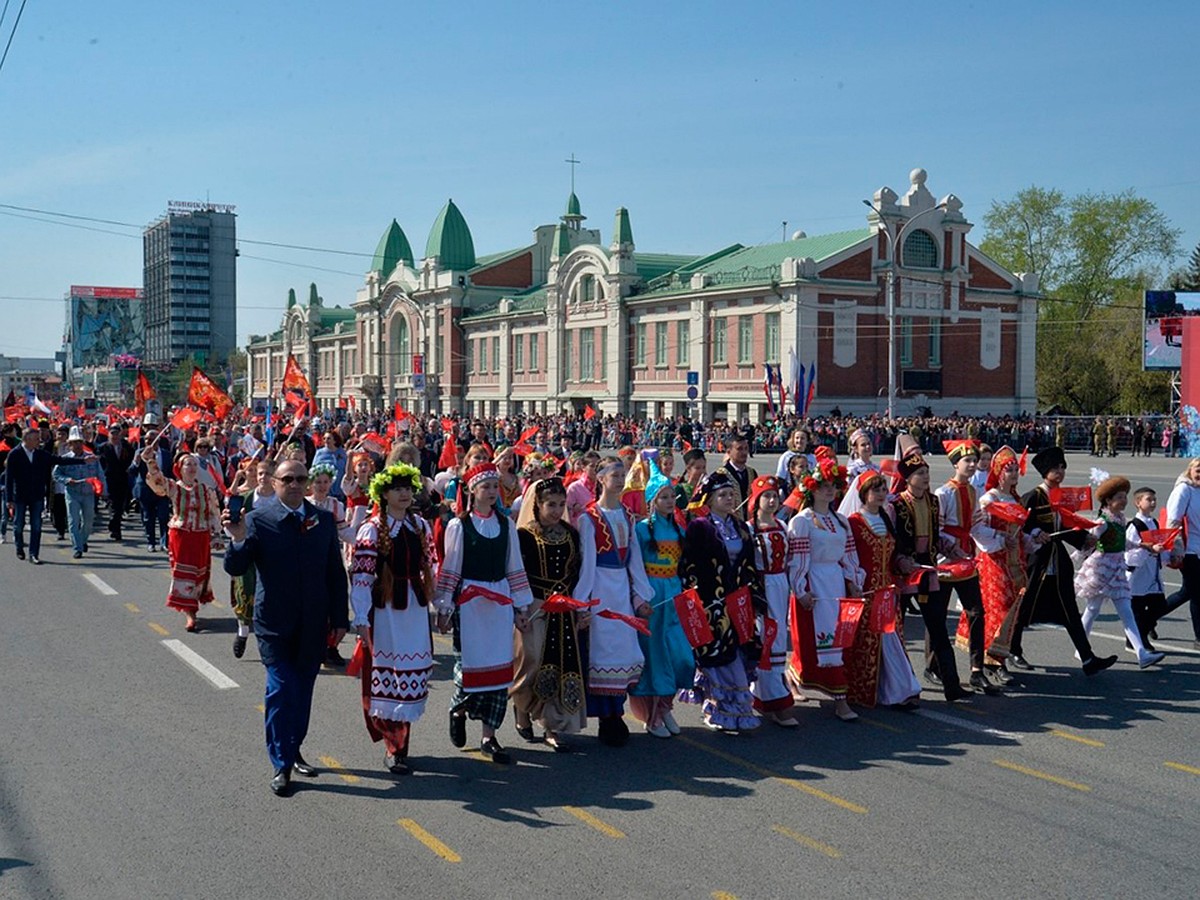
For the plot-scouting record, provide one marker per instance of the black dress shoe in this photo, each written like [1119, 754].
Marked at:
[239, 646]
[1001, 675]
[492, 750]
[956, 693]
[932, 677]
[1020, 662]
[525, 732]
[458, 730]
[20, 554]
[397, 765]
[78, 554]
[281, 784]
[980, 682]
[335, 659]
[301, 767]
[1098, 664]
[35, 560]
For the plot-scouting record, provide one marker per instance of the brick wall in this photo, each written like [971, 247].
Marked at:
[516, 272]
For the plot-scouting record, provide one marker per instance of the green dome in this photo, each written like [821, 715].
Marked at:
[393, 249]
[622, 230]
[450, 240]
[573, 205]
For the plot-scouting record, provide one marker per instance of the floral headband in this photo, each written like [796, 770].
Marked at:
[321, 469]
[827, 472]
[397, 476]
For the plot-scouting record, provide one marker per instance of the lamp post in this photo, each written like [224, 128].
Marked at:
[893, 243]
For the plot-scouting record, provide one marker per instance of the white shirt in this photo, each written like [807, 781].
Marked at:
[1184, 506]
[1145, 569]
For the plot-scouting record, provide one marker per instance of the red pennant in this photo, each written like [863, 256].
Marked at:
[693, 618]
[1072, 498]
[883, 611]
[770, 631]
[848, 617]
[632, 621]
[1008, 512]
[561, 603]
[1070, 519]
[588, 412]
[741, 614]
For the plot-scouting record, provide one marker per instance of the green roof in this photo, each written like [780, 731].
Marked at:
[622, 230]
[652, 265]
[562, 241]
[573, 206]
[450, 240]
[531, 300]
[393, 249]
[331, 318]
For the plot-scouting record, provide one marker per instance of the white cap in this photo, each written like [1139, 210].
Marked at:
[75, 434]
[149, 419]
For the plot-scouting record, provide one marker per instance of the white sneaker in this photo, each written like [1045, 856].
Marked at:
[1147, 659]
[784, 721]
[670, 724]
[658, 731]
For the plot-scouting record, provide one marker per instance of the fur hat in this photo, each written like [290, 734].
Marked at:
[908, 456]
[1109, 487]
[1050, 458]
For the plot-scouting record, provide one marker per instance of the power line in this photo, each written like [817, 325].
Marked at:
[12, 33]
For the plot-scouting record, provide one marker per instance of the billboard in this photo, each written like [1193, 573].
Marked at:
[104, 322]
[1162, 349]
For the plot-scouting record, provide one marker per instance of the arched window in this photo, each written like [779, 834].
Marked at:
[920, 251]
[400, 344]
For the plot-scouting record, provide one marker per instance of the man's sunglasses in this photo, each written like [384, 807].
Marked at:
[291, 479]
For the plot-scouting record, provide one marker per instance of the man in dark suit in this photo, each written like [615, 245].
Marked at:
[300, 596]
[737, 453]
[116, 456]
[27, 478]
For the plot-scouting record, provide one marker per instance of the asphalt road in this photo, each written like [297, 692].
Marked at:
[125, 773]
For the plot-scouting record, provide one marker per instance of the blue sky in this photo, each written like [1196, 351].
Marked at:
[711, 122]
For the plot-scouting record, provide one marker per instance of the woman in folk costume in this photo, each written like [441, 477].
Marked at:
[618, 581]
[861, 449]
[482, 591]
[1002, 553]
[242, 587]
[195, 520]
[391, 586]
[1102, 576]
[356, 488]
[548, 685]
[510, 482]
[830, 573]
[877, 666]
[718, 560]
[918, 541]
[669, 666]
[773, 553]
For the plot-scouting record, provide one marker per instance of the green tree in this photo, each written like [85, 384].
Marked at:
[1094, 255]
[1191, 277]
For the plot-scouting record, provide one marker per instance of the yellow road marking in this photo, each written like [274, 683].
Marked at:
[723, 895]
[429, 840]
[1066, 735]
[261, 708]
[1045, 776]
[831, 852]
[588, 819]
[443, 638]
[158, 629]
[875, 723]
[330, 763]
[793, 783]
[1191, 770]
[132, 608]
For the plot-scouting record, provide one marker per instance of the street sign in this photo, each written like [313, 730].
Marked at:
[418, 364]
[692, 393]
[693, 377]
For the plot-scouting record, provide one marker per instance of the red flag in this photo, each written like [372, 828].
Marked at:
[959, 568]
[472, 591]
[917, 575]
[1022, 462]
[1072, 498]
[291, 398]
[588, 412]
[312, 407]
[204, 393]
[1073, 521]
[1164, 536]
[142, 391]
[685, 445]
[770, 630]
[693, 618]
[1008, 512]
[372, 440]
[447, 425]
[848, 618]
[134, 434]
[186, 418]
[357, 659]
[527, 434]
[449, 457]
[97, 488]
[741, 614]
[561, 603]
[632, 621]
[293, 377]
[883, 611]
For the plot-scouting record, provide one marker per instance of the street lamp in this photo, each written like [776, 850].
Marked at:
[891, 293]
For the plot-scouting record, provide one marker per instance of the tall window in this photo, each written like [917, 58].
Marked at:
[745, 339]
[534, 340]
[568, 356]
[935, 342]
[772, 337]
[604, 354]
[720, 339]
[660, 343]
[906, 347]
[470, 357]
[496, 354]
[483, 367]
[587, 354]
[683, 340]
[639, 352]
[401, 345]
[518, 348]
[587, 288]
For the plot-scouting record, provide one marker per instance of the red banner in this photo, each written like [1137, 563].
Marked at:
[632, 621]
[1007, 512]
[186, 418]
[741, 614]
[693, 618]
[883, 611]
[848, 618]
[204, 393]
[293, 377]
[1071, 498]
[770, 631]
[142, 391]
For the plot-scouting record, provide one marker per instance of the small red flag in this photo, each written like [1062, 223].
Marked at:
[1007, 512]
[1023, 461]
[447, 425]
[1072, 498]
[694, 618]
[186, 418]
[561, 603]
[632, 621]
[741, 614]
[1164, 536]
[883, 611]
[959, 568]
[1070, 519]
[449, 457]
[848, 617]
[588, 412]
[770, 630]
[685, 445]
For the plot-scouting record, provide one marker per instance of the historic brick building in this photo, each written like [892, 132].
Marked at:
[567, 320]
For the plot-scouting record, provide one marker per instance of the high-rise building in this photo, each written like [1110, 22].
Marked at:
[189, 268]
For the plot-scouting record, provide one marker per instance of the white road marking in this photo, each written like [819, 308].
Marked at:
[1163, 644]
[969, 725]
[99, 584]
[219, 679]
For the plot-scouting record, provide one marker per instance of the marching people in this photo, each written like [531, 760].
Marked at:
[81, 484]
[116, 456]
[392, 587]
[301, 594]
[27, 473]
[155, 510]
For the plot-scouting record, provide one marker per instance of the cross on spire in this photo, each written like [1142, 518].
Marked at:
[572, 162]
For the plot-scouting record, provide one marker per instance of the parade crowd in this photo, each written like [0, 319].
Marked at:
[574, 579]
